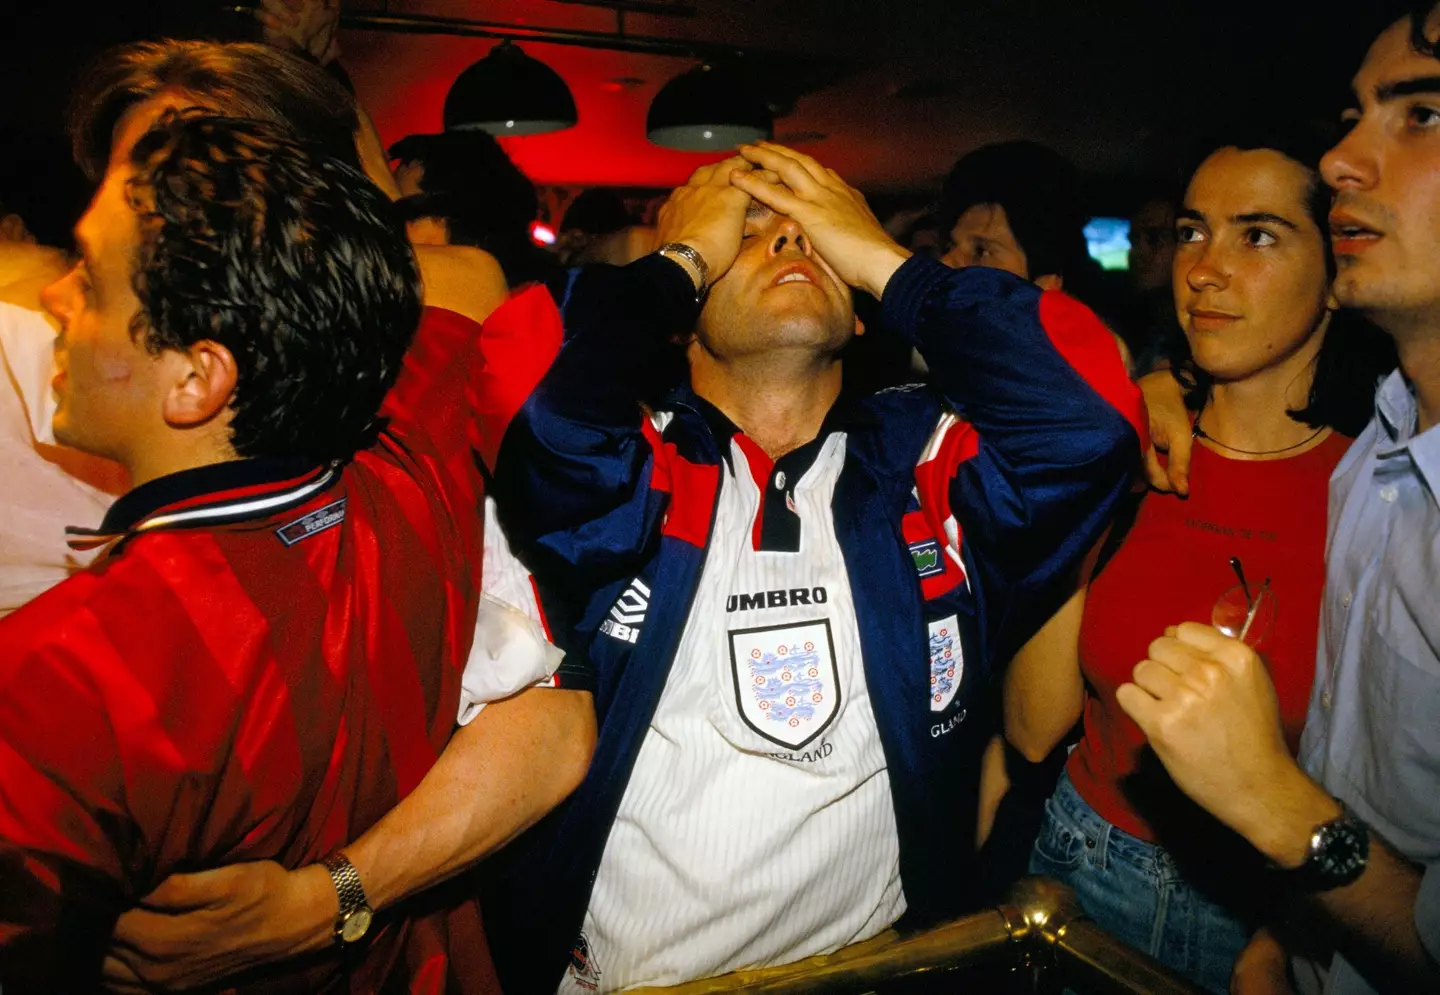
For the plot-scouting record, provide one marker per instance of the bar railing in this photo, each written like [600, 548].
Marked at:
[1039, 941]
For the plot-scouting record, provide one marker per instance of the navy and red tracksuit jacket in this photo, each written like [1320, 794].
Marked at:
[976, 496]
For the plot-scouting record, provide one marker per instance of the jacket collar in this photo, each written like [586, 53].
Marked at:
[847, 414]
[219, 494]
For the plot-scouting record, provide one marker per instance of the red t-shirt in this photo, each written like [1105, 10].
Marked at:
[1172, 567]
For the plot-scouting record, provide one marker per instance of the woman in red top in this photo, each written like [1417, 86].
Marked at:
[1277, 380]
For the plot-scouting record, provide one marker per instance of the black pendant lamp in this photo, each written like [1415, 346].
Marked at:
[709, 108]
[509, 93]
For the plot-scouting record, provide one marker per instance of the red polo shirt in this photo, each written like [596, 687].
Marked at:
[266, 661]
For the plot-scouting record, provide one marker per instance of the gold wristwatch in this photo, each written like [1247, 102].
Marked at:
[355, 916]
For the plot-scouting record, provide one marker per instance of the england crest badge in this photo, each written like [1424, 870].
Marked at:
[947, 662]
[786, 685]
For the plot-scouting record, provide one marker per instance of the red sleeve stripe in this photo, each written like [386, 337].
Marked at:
[540, 608]
[1084, 342]
[518, 342]
[692, 486]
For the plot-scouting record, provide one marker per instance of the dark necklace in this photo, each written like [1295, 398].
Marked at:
[1196, 432]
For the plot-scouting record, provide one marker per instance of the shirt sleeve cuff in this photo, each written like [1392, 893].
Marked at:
[909, 288]
[510, 654]
[1427, 911]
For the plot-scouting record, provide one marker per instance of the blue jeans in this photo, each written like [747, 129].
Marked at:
[1135, 892]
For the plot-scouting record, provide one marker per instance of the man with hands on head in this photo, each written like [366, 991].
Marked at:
[1354, 825]
[792, 598]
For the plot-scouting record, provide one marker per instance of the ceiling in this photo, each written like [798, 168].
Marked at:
[1121, 86]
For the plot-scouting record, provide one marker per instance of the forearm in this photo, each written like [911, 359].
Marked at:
[1374, 923]
[1044, 689]
[500, 774]
[1373, 918]
[621, 324]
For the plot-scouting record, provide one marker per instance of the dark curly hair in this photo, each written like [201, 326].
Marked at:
[290, 259]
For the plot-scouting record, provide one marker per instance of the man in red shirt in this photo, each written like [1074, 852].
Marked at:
[269, 656]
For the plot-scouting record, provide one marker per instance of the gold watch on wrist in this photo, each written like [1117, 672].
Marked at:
[355, 916]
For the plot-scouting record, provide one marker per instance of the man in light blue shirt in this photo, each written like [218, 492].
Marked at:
[1354, 826]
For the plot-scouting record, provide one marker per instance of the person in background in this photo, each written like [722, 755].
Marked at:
[1279, 384]
[1016, 206]
[1152, 245]
[458, 277]
[597, 227]
[1147, 319]
[1351, 826]
[45, 486]
[460, 188]
[12, 226]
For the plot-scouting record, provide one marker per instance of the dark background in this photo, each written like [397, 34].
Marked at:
[1123, 88]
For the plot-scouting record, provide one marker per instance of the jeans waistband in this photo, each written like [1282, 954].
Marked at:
[1103, 838]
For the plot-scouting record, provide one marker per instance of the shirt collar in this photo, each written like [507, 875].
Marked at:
[1397, 415]
[218, 494]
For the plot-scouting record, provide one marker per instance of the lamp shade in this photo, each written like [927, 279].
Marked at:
[509, 93]
[707, 109]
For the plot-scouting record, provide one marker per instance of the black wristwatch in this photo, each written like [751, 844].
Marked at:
[1337, 854]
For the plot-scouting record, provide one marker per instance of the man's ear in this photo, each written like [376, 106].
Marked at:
[859, 326]
[1050, 281]
[202, 384]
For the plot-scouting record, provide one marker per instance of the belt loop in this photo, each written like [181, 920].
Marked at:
[1098, 846]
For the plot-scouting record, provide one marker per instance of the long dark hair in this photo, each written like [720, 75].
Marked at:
[1355, 354]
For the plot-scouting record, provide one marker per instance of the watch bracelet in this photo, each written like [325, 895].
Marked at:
[346, 880]
[691, 260]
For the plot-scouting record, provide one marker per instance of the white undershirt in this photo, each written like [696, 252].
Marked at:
[731, 849]
[43, 487]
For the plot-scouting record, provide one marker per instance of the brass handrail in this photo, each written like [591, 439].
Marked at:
[1040, 928]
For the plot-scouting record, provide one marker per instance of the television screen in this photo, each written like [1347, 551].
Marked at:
[1109, 242]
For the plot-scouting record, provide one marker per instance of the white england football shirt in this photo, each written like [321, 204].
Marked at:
[757, 827]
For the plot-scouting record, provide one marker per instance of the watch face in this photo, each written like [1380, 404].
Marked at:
[1339, 851]
[356, 924]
